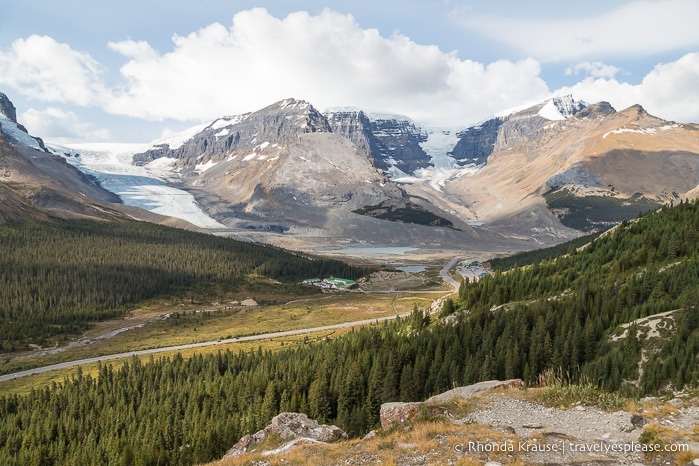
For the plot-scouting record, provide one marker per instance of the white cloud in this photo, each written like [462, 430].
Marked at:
[54, 123]
[327, 59]
[594, 69]
[640, 27]
[43, 69]
[669, 91]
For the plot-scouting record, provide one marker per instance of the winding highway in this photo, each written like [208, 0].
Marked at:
[64, 365]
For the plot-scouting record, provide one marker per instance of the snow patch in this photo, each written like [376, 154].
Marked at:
[551, 112]
[201, 168]
[222, 133]
[178, 140]
[249, 157]
[229, 121]
[640, 130]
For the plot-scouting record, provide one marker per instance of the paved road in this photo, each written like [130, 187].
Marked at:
[265, 336]
[445, 274]
[3, 378]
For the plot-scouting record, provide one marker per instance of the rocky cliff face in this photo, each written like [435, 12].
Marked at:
[7, 108]
[392, 142]
[12, 130]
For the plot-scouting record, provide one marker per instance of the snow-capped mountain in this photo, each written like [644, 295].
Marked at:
[297, 177]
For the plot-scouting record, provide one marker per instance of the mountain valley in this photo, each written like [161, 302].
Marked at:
[613, 317]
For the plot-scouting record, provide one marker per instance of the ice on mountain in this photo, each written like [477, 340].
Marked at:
[15, 134]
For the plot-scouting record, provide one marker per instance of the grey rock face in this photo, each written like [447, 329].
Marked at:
[579, 176]
[7, 108]
[389, 142]
[476, 143]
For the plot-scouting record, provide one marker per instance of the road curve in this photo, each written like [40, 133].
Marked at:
[448, 278]
[64, 365]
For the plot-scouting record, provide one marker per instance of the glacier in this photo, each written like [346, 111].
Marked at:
[140, 186]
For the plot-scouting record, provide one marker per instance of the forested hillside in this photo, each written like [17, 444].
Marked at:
[571, 303]
[557, 314]
[58, 276]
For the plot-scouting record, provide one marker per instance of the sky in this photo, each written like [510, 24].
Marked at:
[135, 71]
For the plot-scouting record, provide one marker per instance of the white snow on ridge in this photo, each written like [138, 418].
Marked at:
[375, 116]
[640, 131]
[143, 187]
[228, 121]
[551, 112]
[177, 140]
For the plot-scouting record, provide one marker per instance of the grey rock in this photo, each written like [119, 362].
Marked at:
[465, 392]
[398, 414]
[638, 421]
[289, 426]
[7, 108]
[390, 141]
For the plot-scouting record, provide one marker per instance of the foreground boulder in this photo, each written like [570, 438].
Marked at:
[399, 414]
[291, 427]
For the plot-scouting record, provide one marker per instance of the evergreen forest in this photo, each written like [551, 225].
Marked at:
[562, 314]
[58, 277]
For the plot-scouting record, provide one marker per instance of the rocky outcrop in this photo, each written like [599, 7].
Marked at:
[290, 427]
[400, 414]
[579, 176]
[476, 143]
[7, 108]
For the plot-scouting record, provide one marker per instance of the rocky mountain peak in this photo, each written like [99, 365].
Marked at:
[7, 108]
[597, 109]
[275, 125]
[15, 132]
[567, 106]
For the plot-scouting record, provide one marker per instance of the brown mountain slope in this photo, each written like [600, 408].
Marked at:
[596, 152]
[38, 185]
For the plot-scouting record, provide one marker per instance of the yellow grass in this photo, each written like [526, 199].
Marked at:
[210, 326]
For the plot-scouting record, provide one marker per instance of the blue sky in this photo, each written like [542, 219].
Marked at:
[133, 71]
